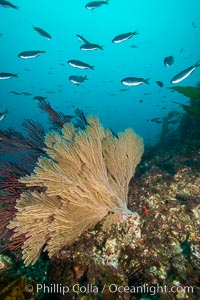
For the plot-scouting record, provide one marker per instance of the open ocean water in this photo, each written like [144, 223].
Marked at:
[164, 29]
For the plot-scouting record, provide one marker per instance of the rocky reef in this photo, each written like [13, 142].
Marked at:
[149, 255]
[156, 258]
[167, 252]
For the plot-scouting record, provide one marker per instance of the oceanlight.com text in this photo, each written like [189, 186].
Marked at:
[57, 288]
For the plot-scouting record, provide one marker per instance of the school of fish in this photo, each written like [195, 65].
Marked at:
[130, 80]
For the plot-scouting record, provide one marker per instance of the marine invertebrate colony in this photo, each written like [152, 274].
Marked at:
[84, 179]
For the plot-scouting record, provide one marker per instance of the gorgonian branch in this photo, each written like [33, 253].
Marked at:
[56, 119]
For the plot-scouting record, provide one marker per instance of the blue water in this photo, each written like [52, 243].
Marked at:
[165, 27]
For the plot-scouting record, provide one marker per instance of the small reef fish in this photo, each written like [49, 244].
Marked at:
[7, 75]
[160, 83]
[22, 93]
[68, 118]
[8, 4]
[91, 47]
[3, 114]
[156, 120]
[194, 25]
[77, 79]
[42, 32]
[30, 54]
[39, 98]
[79, 64]
[82, 39]
[95, 4]
[172, 122]
[50, 92]
[133, 81]
[185, 73]
[123, 37]
[1, 34]
[25, 94]
[15, 93]
[168, 61]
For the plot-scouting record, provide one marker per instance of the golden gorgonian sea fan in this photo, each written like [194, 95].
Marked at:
[86, 176]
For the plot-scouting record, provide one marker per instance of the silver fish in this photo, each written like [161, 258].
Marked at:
[77, 79]
[30, 54]
[123, 37]
[42, 32]
[133, 81]
[91, 47]
[82, 39]
[7, 75]
[8, 4]
[95, 4]
[79, 64]
[3, 114]
[185, 73]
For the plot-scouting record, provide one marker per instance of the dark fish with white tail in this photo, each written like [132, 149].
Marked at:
[15, 93]
[25, 94]
[79, 64]
[82, 39]
[134, 81]
[124, 37]
[172, 122]
[3, 114]
[77, 79]
[7, 75]
[8, 4]
[160, 83]
[39, 98]
[96, 4]
[185, 73]
[168, 61]
[194, 25]
[42, 32]
[156, 120]
[91, 47]
[30, 54]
